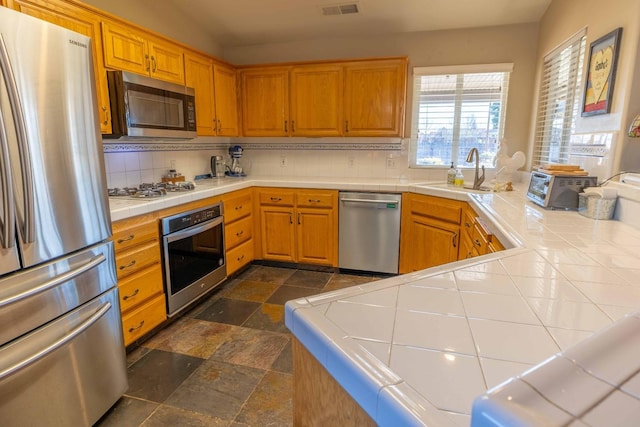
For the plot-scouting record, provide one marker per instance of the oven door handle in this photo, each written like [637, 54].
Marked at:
[192, 231]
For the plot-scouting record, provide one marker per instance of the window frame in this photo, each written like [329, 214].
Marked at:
[458, 70]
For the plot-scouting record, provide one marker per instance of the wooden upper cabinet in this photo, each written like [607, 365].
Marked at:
[226, 100]
[265, 102]
[81, 21]
[316, 100]
[127, 49]
[375, 98]
[198, 72]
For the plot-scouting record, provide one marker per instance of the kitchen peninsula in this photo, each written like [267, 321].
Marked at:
[419, 348]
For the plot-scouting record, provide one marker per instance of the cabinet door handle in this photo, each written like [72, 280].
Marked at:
[106, 115]
[131, 264]
[454, 240]
[346, 126]
[154, 65]
[126, 297]
[127, 239]
[135, 328]
[239, 233]
[285, 126]
[290, 218]
[299, 219]
[146, 59]
[276, 199]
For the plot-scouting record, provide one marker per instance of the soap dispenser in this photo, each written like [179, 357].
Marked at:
[459, 181]
[451, 175]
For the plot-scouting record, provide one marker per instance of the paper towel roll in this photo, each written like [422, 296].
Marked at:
[601, 192]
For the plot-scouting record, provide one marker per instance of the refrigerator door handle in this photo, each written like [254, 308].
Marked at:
[69, 275]
[7, 234]
[21, 132]
[56, 344]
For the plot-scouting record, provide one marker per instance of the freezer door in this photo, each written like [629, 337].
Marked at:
[34, 297]
[67, 373]
[48, 104]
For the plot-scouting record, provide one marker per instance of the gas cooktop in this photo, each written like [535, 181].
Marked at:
[151, 191]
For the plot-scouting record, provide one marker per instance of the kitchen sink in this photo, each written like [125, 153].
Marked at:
[466, 188]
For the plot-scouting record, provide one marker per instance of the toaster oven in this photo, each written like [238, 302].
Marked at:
[558, 191]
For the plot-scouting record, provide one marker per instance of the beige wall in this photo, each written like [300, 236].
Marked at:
[566, 17]
[513, 43]
[153, 15]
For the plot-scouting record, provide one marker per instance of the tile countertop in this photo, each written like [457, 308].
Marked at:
[417, 349]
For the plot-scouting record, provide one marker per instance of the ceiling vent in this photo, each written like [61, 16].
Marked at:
[340, 9]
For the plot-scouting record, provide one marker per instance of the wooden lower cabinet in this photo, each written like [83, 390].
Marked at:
[142, 319]
[238, 229]
[299, 225]
[318, 399]
[239, 256]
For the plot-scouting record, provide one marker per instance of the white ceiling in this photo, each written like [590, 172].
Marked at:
[247, 22]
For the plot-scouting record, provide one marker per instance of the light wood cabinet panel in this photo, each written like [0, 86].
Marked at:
[138, 287]
[265, 102]
[277, 231]
[315, 242]
[131, 232]
[438, 208]
[198, 71]
[138, 52]
[239, 256]
[226, 100]
[375, 98]
[238, 229]
[143, 319]
[128, 262]
[81, 21]
[237, 205]
[238, 232]
[435, 243]
[317, 100]
[277, 197]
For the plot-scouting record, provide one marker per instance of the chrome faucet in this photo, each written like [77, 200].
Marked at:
[477, 180]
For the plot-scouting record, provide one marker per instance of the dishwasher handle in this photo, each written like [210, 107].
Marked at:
[395, 202]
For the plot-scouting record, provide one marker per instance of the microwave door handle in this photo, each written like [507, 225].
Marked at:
[21, 132]
[7, 231]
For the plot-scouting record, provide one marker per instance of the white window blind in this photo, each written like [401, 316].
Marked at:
[457, 109]
[559, 101]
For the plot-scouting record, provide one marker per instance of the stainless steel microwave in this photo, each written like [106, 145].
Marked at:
[150, 108]
[558, 191]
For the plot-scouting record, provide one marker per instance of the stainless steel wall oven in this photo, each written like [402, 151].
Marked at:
[193, 255]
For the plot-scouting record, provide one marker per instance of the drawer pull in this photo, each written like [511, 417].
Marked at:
[477, 243]
[135, 328]
[127, 239]
[131, 264]
[241, 257]
[276, 199]
[126, 297]
[466, 224]
[314, 201]
[239, 233]
[238, 207]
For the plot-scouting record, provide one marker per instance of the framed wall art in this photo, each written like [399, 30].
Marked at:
[601, 74]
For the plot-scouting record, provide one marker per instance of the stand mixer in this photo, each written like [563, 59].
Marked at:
[235, 169]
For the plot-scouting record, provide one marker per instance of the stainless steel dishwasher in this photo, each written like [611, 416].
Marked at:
[369, 231]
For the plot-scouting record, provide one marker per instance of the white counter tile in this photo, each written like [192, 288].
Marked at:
[433, 331]
[498, 371]
[557, 313]
[610, 293]
[567, 338]
[618, 409]
[508, 308]
[430, 300]
[484, 282]
[363, 321]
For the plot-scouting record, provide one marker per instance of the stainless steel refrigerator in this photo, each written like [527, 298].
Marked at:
[62, 358]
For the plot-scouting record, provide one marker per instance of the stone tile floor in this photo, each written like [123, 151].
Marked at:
[227, 361]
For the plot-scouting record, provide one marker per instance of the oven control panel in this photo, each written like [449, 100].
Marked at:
[184, 220]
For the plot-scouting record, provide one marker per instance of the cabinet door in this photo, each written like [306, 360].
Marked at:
[316, 100]
[198, 72]
[278, 233]
[167, 61]
[226, 100]
[434, 243]
[83, 22]
[375, 98]
[125, 49]
[316, 236]
[265, 102]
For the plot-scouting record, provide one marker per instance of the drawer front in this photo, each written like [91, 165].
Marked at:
[143, 319]
[239, 256]
[480, 240]
[238, 232]
[236, 207]
[135, 235]
[276, 197]
[438, 208]
[137, 258]
[317, 199]
[140, 286]
[468, 220]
